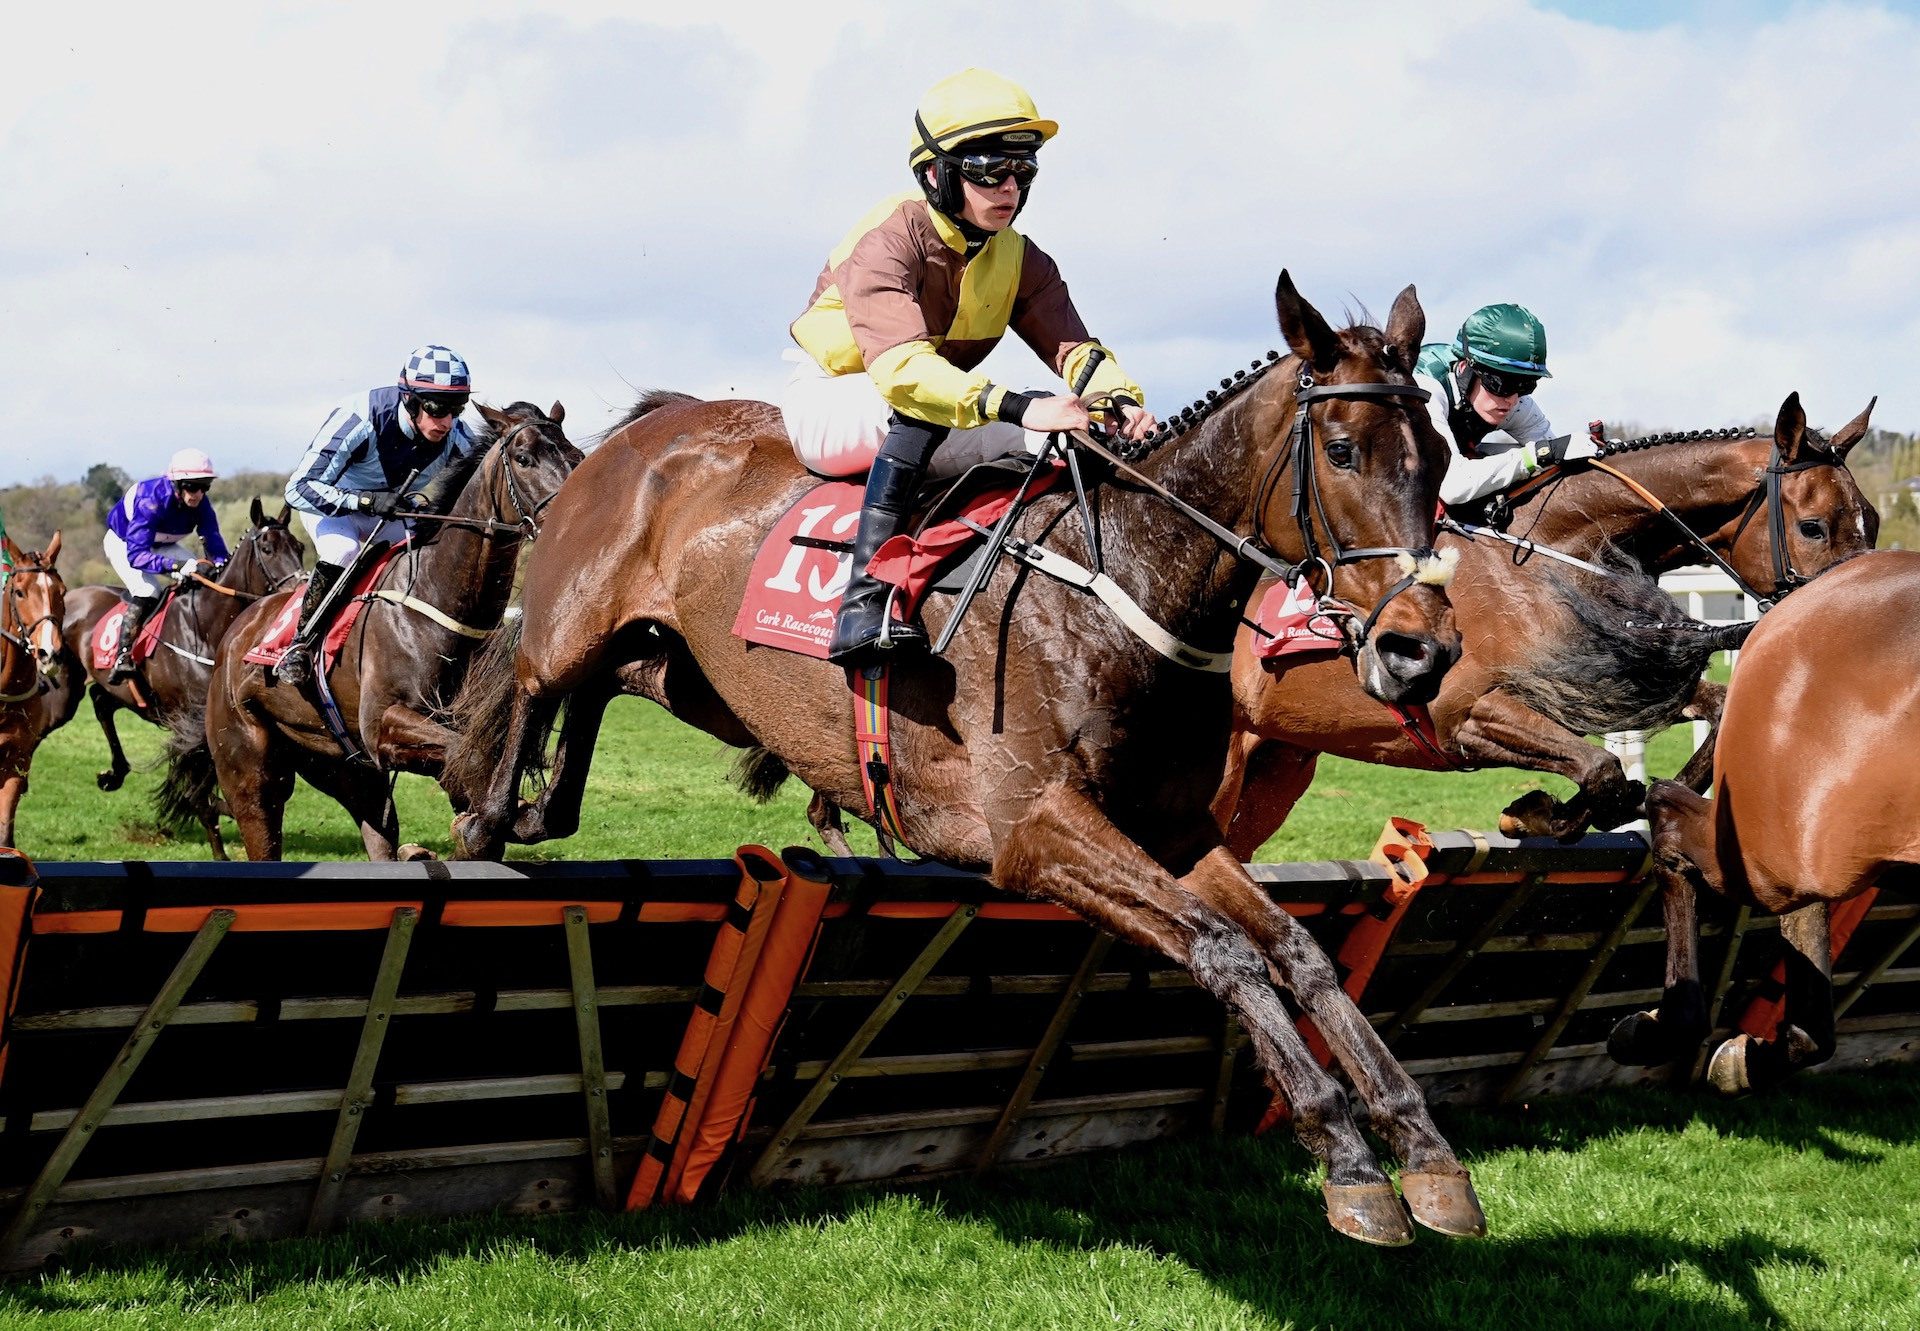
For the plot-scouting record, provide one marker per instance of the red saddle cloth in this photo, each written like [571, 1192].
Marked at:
[105, 644]
[1289, 623]
[806, 560]
[274, 642]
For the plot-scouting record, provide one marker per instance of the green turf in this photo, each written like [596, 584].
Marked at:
[660, 790]
[1640, 1209]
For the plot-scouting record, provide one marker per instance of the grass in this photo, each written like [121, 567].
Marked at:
[660, 790]
[1644, 1209]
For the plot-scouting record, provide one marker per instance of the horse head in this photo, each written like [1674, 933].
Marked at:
[36, 602]
[270, 555]
[1810, 513]
[1349, 488]
[524, 468]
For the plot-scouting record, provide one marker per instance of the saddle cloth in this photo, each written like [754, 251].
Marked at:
[105, 644]
[1289, 623]
[806, 560]
[279, 635]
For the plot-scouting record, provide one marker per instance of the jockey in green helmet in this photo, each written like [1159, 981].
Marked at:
[1482, 403]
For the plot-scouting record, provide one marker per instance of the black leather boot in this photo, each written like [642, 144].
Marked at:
[296, 667]
[138, 609]
[862, 629]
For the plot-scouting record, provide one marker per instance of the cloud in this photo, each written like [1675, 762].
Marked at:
[216, 229]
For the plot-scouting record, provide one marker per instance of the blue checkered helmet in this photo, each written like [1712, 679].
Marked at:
[436, 370]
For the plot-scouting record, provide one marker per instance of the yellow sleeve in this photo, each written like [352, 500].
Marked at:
[917, 381]
[1108, 378]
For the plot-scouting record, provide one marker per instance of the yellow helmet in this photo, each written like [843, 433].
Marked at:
[975, 103]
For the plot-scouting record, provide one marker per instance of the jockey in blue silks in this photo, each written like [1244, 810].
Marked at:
[143, 542]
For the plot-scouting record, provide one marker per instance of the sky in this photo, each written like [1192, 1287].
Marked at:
[218, 221]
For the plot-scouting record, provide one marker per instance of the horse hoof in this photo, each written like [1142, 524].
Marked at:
[1370, 1212]
[412, 852]
[109, 780]
[1444, 1203]
[1727, 1069]
[1636, 1041]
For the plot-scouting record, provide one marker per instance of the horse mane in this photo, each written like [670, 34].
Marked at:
[1615, 447]
[651, 401]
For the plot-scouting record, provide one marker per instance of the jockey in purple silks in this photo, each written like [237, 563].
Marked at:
[144, 535]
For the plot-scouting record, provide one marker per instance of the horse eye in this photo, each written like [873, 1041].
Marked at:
[523, 459]
[1813, 529]
[1340, 453]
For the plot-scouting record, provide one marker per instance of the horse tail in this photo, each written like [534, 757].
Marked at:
[188, 792]
[480, 714]
[1625, 658]
[759, 772]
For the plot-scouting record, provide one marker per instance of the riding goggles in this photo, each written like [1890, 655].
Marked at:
[440, 406]
[1503, 384]
[988, 170]
[195, 487]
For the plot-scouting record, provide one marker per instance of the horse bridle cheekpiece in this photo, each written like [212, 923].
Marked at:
[1307, 504]
[1785, 576]
[22, 637]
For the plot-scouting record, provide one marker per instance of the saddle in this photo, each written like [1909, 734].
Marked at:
[105, 642]
[274, 642]
[806, 559]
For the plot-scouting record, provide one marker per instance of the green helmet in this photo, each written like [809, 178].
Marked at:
[1504, 337]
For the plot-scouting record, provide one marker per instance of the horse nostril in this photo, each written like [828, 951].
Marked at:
[1404, 654]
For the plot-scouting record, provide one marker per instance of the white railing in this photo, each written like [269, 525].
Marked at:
[1708, 595]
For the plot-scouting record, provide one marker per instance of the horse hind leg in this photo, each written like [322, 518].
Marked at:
[1438, 1189]
[104, 706]
[1681, 822]
[1065, 850]
[824, 814]
[1806, 1035]
[255, 773]
[557, 812]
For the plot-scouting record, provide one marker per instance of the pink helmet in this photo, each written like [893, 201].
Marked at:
[190, 464]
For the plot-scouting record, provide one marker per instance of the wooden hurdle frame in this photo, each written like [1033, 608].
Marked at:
[266, 1050]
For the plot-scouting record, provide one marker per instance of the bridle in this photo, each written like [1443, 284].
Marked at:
[527, 515]
[21, 636]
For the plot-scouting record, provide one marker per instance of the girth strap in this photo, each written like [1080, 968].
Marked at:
[437, 615]
[1125, 608]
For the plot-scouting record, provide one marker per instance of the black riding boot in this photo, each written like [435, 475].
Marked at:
[138, 609]
[858, 628]
[296, 667]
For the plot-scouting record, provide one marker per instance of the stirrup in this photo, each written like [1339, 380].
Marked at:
[296, 666]
[122, 669]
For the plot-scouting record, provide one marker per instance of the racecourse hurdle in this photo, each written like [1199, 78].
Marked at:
[239, 1050]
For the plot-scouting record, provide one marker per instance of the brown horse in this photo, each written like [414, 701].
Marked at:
[1545, 660]
[174, 679]
[1049, 746]
[1813, 802]
[32, 599]
[400, 663]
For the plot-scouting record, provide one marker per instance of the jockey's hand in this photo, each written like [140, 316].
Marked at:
[190, 567]
[1136, 423]
[1566, 448]
[380, 504]
[1063, 411]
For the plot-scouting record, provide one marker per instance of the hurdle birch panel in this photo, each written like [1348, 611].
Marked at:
[264, 1050]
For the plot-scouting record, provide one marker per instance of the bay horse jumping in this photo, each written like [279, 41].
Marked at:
[400, 663]
[32, 600]
[1814, 801]
[173, 681]
[1049, 747]
[1545, 657]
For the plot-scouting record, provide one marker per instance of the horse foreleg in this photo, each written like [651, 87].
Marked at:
[104, 706]
[1437, 1187]
[406, 741]
[13, 788]
[1682, 831]
[1500, 731]
[1806, 1035]
[1064, 849]
[1708, 700]
[824, 814]
[557, 812]
[1272, 778]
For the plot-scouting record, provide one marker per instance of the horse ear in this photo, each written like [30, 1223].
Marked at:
[286, 515]
[15, 555]
[559, 412]
[53, 550]
[1790, 429]
[259, 518]
[1406, 326]
[1853, 431]
[1306, 332]
[497, 419]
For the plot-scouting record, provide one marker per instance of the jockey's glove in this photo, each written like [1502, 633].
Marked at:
[380, 504]
[1566, 448]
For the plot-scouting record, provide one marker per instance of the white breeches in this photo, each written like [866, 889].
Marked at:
[139, 583]
[337, 537]
[837, 423]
